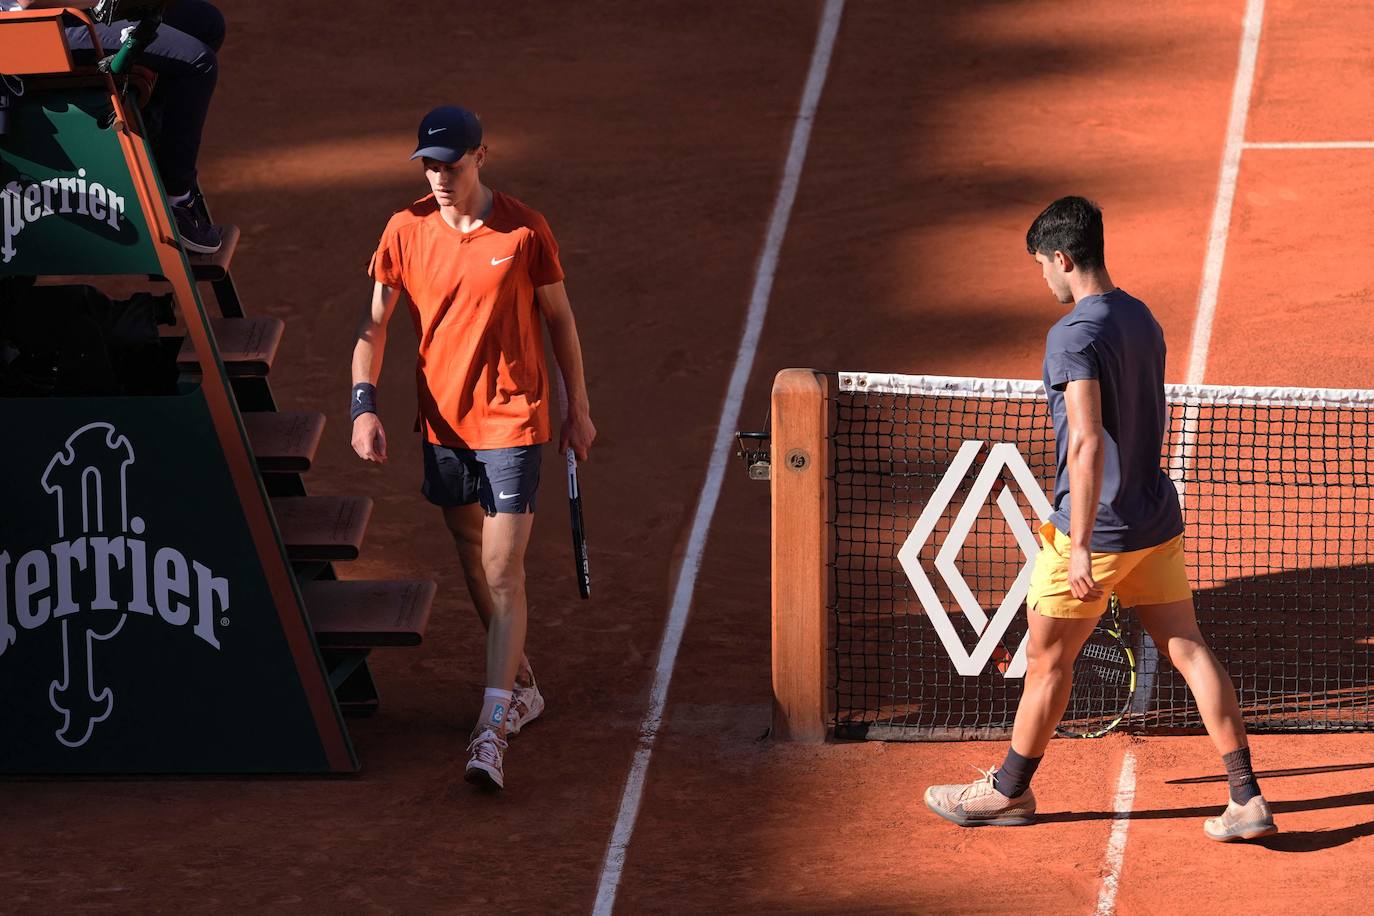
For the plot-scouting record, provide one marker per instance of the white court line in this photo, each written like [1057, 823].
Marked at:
[1116, 843]
[710, 492]
[1211, 275]
[1197, 367]
[1314, 144]
[1226, 192]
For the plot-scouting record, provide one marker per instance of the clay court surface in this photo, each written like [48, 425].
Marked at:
[653, 136]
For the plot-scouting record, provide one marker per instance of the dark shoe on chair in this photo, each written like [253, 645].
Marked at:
[196, 232]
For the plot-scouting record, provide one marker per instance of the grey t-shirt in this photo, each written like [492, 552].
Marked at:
[1113, 338]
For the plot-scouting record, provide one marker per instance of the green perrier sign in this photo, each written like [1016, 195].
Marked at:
[67, 200]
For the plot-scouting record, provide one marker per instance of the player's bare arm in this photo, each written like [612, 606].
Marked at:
[1083, 404]
[369, 438]
[578, 432]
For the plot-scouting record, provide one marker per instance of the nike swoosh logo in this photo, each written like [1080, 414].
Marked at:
[495, 261]
[360, 397]
[435, 130]
[504, 495]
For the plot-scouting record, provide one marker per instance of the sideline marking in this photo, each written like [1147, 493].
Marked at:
[1116, 844]
[1197, 367]
[1211, 282]
[710, 492]
[1211, 276]
[1315, 144]
[1226, 192]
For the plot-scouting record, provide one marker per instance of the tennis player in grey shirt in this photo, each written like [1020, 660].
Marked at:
[1104, 378]
[1112, 338]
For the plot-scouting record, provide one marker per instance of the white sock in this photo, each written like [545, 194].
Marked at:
[495, 703]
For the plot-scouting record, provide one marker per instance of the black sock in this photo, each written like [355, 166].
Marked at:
[1241, 778]
[1014, 775]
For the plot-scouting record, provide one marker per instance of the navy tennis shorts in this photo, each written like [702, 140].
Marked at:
[501, 480]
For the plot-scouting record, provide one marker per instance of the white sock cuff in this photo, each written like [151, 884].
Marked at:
[496, 693]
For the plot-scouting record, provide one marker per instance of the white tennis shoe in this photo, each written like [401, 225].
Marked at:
[977, 803]
[526, 705]
[486, 753]
[1249, 821]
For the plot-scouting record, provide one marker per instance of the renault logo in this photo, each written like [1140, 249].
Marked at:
[990, 632]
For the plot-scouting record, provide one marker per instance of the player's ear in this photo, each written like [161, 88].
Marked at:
[1063, 261]
[479, 156]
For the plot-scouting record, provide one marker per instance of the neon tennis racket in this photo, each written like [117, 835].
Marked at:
[1103, 680]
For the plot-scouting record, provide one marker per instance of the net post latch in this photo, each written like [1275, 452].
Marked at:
[753, 449]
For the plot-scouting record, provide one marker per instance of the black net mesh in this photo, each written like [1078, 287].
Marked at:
[1277, 502]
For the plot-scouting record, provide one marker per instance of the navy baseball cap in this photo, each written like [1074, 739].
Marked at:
[447, 133]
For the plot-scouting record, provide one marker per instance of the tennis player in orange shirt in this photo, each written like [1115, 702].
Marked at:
[479, 270]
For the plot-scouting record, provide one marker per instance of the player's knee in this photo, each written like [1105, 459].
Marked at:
[1183, 653]
[1051, 678]
[504, 575]
[1048, 664]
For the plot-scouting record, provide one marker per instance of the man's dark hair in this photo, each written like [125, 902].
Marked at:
[1072, 225]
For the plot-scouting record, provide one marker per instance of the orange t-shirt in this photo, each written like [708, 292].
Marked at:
[482, 377]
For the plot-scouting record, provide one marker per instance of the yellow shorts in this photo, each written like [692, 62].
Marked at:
[1155, 575]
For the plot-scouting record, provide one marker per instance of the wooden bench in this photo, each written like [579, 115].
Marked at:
[352, 618]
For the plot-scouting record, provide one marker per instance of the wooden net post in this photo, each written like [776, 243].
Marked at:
[800, 467]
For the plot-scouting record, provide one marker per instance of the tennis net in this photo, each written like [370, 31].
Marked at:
[938, 484]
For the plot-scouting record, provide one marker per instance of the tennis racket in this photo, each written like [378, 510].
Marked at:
[581, 565]
[579, 534]
[1103, 680]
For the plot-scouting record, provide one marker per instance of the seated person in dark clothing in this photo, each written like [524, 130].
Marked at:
[74, 341]
[184, 55]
